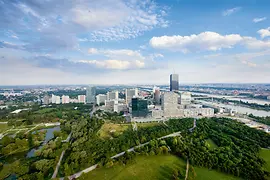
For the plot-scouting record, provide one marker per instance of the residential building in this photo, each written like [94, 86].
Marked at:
[101, 98]
[174, 82]
[90, 94]
[81, 99]
[56, 99]
[65, 99]
[46, 100]
[139, 107]
[268, 97]
[130, 93]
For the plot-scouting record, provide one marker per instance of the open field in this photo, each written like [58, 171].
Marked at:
[205, 174]
[3, 127]
[211, 143]
[109, 130]
[150, 124]
[151, 167]
[265, 154]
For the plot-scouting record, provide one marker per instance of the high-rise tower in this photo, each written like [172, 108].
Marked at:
[174, 82]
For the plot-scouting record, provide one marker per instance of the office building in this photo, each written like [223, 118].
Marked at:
[169, 104]
[157, 96]
[185, 98]
[139, 107]
[174, 82]
[109, 105]
[46, 100]
[101, 98]
[65, 99]
[81, 99]
[130, 93]
[120, 108]
[90, 94]
[113, 95]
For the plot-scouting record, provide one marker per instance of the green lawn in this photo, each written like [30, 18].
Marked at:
[265, 154]
[149, 124]
[205, 174]
[3, 127]
[150, 167]
[211, 143]
[153, 167]
[109, 130]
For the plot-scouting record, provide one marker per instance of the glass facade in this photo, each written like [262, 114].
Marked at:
[139, 107]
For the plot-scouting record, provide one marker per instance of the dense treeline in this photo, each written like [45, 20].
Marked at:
[237, 151]
[87, 148]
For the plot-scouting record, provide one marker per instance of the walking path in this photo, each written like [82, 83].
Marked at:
[78, 174]
[58, 165]
[187, 169]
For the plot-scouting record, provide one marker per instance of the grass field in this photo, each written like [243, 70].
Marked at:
[150, 124]
[211, 143]
[265, 154]
[205, 174]
[151, 167]
[109, 130]
[3, 127]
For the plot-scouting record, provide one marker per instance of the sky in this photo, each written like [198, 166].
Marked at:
[134, 41]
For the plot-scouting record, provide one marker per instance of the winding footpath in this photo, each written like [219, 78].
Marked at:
[91, 168]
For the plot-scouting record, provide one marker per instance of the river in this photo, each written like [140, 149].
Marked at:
[239, 109]
[235, 98]
[48, 137]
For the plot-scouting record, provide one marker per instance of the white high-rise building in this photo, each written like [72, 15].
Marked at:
[130, 93]
[81, 99]
[101, 98]
[65, 99]
[169, 104]
[113, 95]
[56, 99]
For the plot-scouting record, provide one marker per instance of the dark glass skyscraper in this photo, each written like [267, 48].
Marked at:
[174, 82]
[139, 107]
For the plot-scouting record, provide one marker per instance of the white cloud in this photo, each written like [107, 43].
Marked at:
[256, 20]
[264, 32]
[248, 63]
[115, 64]
[205, 41]
[228, 12]
[92, 51]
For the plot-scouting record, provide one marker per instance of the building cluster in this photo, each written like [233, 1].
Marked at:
[63, 99]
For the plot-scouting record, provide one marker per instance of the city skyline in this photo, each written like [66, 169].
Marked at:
[58, 42]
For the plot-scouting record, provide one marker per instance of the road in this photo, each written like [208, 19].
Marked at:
[78, 174]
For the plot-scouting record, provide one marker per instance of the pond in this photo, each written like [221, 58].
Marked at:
[48, 137]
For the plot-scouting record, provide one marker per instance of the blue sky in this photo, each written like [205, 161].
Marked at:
[134, 42]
